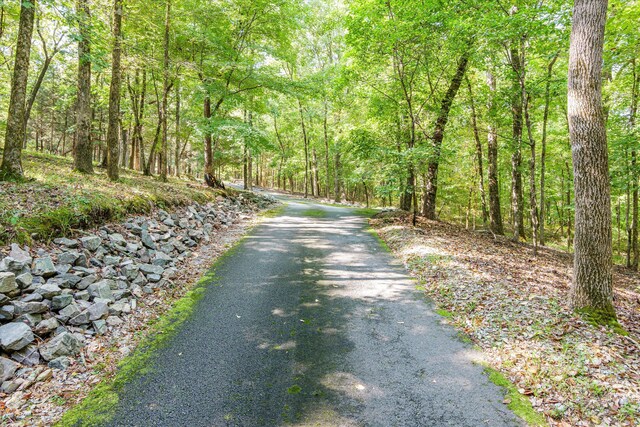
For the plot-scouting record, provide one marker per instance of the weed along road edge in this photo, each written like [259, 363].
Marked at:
[308, 322]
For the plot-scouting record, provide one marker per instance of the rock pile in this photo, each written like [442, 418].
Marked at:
[52, 301]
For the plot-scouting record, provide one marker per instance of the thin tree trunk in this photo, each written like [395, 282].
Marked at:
[431, 185]
[592, 287]
[476, 137]
[634, 167]
[517, 211]
[178, 143]
[164, 157]
[495, 214]
[306, 150]
[113, 169]
[543, 153]
[326, 152]
[11, 168]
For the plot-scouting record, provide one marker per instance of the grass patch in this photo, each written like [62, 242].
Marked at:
[365, 212]
[315, 213]
[519, 404]
[380, 240]
[55, 201]
[444, 313]
[100, 405]
[273, 212]
[294, 389]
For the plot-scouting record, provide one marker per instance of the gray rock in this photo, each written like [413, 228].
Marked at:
[80, 319]
[101, 289]
[82, 261]
[7, 312]
[112, 260]
[68, 257]
[120, 308]
[32, 297]
[49, 290]
[114, 321]
[28, 356]
[151, 269]
[24, 280]
[91, 242]
[8, 283]
[61, 301]
[69, 243]
[121, 293]
[68, 312]
[82, 296]
[20, 255]
[33, 307]
[66, 280]
[9, 387]
[30, 319]
[100, 326]
[130, 271]
[147, 240]
[117, 239]
[61, 363]
[162, 259]
[44, 267]
[65, 344]
[15, 336]
[63, 268]
[47, 326]
[3, 299]
[7, 368]
[98, 311]
[153, 278]
[86, 281]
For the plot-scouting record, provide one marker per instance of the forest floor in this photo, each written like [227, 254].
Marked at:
[514, 307]
[55, 200]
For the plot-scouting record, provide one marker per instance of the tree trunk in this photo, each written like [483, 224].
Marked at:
[431, 185]
[208, 150]
[306, 150]
[634, 167]
[543, 153]
[476, 137]
[517, 210]
[113, 169]
[336, 175]
[82, 158]
[164, 158]
[592, 281]
[326, 152]
[178, 143]
[11, 168]
[495, 213]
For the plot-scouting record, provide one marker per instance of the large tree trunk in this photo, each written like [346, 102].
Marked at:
[592, 287]
[113, 169]
[164, 157]
[208, 149]
[178, 143]
[337, 196]
[82, 159]
[14, 135]
[431, 185]
[326, 151]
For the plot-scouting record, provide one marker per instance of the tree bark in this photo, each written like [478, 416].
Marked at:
[517, 210]
[113, 169]
[495, 213]
[208, 150]
[480, 166]
[634, 168]
[306, 150]
[82, 159]
[11, 168]
[592, 287]
[164, 157]
[543, 149]
[431, 185]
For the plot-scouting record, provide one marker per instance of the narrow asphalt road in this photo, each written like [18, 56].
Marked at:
[312, 323]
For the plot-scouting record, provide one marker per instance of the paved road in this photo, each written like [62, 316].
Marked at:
[312, 323]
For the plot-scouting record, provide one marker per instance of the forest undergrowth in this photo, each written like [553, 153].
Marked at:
[514, 307]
